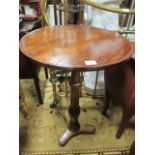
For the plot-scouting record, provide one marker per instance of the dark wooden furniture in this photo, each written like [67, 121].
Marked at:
[75, 48]
[132, 149]
[27, 68]
[120, 88]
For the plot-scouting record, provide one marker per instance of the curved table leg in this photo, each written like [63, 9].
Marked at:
[74, 127]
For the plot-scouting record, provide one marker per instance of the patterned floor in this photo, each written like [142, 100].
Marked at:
[39, 133]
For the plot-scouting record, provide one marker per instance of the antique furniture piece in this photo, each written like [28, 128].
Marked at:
[120, 88]
[75, 48]
[28, 69]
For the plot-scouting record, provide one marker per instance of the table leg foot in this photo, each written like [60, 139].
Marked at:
[67, 135]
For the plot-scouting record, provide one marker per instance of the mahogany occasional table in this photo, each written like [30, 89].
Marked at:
[75, 48]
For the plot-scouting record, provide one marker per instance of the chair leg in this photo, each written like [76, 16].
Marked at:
[132, 149]
[128, 112]
[124, 123]
[46, 72]
[36, 81]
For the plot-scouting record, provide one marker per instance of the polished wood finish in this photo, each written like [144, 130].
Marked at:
[120, 88]
[69, 46]
[74, 127]
[27, 68]
[74, 108]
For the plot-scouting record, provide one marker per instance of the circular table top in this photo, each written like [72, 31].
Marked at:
[75, 47]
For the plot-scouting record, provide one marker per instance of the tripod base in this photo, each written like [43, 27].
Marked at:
[67, 135]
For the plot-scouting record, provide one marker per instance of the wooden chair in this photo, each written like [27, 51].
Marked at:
[120, 88]
[27, 68]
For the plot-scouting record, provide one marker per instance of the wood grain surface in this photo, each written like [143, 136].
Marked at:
[75, 47]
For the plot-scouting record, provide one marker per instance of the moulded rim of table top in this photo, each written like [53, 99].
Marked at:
[77, 67]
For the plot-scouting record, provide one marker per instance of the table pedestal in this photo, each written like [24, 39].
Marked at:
[74, 127]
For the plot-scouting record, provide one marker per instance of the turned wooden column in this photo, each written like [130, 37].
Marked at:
[74, 108]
